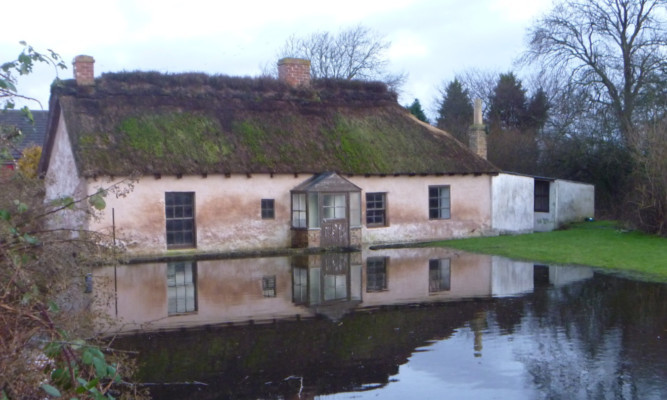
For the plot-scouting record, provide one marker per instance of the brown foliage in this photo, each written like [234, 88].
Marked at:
[29, 161]
[45, 324]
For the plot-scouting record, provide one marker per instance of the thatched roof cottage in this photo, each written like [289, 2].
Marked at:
[226, 163]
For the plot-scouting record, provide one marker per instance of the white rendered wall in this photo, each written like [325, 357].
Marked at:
[62, 180]
[575, 201]
[512, 207]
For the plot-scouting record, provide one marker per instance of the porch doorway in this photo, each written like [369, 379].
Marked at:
[335, 227]
[327, 206]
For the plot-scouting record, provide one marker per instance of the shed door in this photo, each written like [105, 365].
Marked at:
[335, 225]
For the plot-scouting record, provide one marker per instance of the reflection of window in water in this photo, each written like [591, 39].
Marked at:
[300, 285]
[269, 286]
[439, 274]
[181, 287]
[335, 287]
[376, 274]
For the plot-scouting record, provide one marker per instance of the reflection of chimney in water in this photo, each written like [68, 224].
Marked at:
[478, 324]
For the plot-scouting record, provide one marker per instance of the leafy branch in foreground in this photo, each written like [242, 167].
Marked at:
[46, 328]
[24, 64]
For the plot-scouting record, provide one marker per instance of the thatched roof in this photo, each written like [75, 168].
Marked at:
[154, 123]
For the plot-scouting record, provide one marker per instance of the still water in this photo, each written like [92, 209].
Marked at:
[387, 324]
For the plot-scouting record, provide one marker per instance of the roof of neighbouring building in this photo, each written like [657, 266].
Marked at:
[31, 133]
[154, 123]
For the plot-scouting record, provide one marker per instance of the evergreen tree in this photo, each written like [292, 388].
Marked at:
[511, 143]
[456, 111]
[416, 109]
[508, 103]
[537, 110]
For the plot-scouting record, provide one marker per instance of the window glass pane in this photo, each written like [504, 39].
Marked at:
[375, 209]
[299, 210]
[355, 209]
[541, 201]
[180, 223]
[313, 210]
[267, 208]
[439, 202]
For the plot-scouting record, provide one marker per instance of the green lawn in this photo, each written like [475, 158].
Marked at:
[599, 244]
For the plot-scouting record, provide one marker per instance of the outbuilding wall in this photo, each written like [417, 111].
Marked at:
[512, 206]
[575, 201]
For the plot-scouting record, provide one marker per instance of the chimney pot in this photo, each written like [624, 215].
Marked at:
[84, 70]
[294, 71]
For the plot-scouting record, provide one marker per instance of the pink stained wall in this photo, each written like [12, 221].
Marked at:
[227, 291]
[228, 214]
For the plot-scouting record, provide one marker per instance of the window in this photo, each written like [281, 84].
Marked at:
[541, 196]
[376, 206]
[313, 210]
[438, 202]
[439, 274]
[181, 287]
[333, 206]
[376, 274]
[269, 286]
[268, 209]
[355, 209]
[299, 210]
[180, 216]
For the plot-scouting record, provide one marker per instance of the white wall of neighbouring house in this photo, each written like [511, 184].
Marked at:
[575, 201]
[512, 206]
[407, 205]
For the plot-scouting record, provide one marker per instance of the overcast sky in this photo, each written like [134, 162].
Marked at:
[432, 40]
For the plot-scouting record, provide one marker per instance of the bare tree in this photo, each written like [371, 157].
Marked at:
[479, 83]
[614, 48]
[354, 53]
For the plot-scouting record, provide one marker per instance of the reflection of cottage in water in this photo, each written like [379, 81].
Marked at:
[188, 293]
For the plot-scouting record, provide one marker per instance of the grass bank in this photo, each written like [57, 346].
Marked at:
[599, 244]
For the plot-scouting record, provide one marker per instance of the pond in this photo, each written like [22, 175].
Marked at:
[389, 324]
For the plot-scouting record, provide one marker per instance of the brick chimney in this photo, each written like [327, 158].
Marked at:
[294, 71]
[84, 70]
[477, 131]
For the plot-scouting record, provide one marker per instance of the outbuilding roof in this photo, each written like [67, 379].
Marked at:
[154, 123]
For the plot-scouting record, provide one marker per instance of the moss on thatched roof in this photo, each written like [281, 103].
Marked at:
[195, 123]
